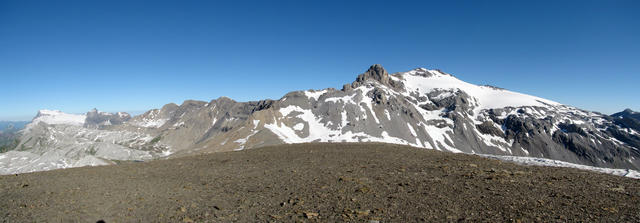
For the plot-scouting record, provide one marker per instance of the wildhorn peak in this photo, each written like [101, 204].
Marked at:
[376, 72]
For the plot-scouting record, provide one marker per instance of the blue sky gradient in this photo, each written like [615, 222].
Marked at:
[137, 55]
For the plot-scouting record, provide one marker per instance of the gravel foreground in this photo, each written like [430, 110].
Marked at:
[320, 183]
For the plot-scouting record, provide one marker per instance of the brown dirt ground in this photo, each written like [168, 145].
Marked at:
[320, 183]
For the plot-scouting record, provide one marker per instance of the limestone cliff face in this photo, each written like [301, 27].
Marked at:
[423, 108]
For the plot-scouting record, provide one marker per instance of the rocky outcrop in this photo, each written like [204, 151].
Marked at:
[376, 73]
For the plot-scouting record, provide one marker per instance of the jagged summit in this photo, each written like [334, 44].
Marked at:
[225, 98]
[376, 73]
[628, 113]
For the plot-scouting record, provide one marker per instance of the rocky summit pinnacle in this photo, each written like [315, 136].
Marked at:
[376, 72]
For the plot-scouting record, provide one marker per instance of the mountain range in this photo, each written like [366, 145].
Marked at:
[7, 126]
[423, 108]
[9, 134]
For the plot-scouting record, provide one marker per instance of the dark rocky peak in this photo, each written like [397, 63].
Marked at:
[193, 103]
[169, 107]
[627, 119]
[223, 103]
[225, 99]
[627, 113]
[630, 112]
[375, 72]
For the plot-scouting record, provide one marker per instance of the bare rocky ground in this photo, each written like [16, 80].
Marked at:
[320, 183]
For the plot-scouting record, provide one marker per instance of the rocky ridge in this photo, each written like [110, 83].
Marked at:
[422, 108]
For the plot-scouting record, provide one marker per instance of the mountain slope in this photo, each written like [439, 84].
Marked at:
[422, 108]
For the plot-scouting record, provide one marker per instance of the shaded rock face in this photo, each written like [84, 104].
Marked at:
[488, 128]
[422, 108]
[627, 119]
[627, 113]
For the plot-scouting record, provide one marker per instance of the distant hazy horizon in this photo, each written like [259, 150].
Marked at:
[134, 56]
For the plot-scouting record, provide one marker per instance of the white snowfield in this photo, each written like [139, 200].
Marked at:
[55, 117]
[488, 97]
[535, 161]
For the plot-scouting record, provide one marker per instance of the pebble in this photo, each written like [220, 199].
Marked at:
[310, 215]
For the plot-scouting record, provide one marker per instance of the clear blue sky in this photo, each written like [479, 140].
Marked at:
[137, 55]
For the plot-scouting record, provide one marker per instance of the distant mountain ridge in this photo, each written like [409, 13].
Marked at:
[422, 108]
[9, 134]
[12, 125]
[627, 113]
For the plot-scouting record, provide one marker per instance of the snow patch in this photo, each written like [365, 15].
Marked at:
[535, 161]
[344, 99]
[153, 123]
[318, 132]
[314, 94]
[298, 127]
[413, 131]
[488, 97]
